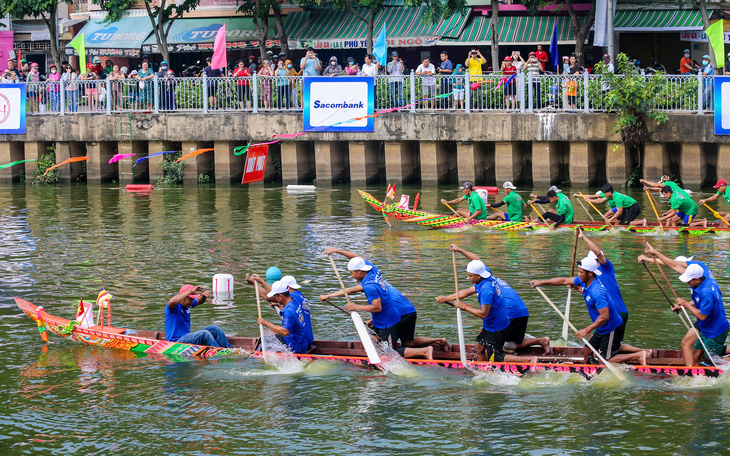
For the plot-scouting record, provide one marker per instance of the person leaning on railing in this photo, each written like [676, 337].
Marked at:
[243, 84]
[534, 67]
[115, 80]
[396, 69]
[265, 73]
[34, 78]
[707, 70]
[70, 78]
[282, 87]
[54, 88]
[291, 71]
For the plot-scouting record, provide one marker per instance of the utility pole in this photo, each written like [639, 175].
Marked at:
[609, 31]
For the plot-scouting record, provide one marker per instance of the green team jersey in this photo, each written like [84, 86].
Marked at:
[676, 189]
[564, 207]
[684, 205]
[726, 195]
[611, 203]
[621, 200]
[475, 203]
[515, 206]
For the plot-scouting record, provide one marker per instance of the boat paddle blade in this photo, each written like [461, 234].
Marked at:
[367, 343]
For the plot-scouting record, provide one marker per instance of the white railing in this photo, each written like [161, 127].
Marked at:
[461, 93]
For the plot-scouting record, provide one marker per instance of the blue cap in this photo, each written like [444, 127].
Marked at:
[686, 51]
[273, 274]
[164, 62]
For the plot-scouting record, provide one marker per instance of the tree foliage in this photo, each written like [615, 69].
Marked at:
[260, 11]
[162, 14]
[44, 9]
[634, 99]
[579, 25]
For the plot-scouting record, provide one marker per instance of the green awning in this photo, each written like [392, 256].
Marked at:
[515, 30]
[196, 35]
[657, 21]
[337, 29]
[293, 22]
[123, 37]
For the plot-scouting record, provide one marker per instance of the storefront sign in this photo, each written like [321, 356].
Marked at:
[93, 52]
[699, 36]
[330, 102]
[12, 109]
[198, 47]
[414, 41]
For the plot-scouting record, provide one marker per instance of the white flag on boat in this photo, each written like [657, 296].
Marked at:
[85, 314]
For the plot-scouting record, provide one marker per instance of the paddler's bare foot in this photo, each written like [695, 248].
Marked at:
[428, 352]
[445, 346]
[649, 353]
[545, 344]
[642, 358]
[533, 360]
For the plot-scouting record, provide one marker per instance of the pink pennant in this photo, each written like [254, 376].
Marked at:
[118, 157]
[289, 135]
[219, 59]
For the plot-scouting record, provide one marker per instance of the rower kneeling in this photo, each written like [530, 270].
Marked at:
[293, 329]
[177, 319]
[604, 315]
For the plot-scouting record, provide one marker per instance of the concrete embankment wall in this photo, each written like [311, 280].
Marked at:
[430, 148]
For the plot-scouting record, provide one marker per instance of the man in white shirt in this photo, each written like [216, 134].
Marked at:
[427, 70]
[371, 66]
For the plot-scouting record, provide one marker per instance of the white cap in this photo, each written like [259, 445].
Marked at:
[589, 264]
[555, 189]
[277, 287]
[358, 264]
[599, 193]
[291, 282]
[592, 255]
[509, 185]
[683, 258]
[693, 271]
[478, 268]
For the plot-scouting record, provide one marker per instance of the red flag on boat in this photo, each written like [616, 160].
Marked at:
[255, 164]
[390, 193]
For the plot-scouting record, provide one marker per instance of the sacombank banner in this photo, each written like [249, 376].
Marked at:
[722, 99]
[12, 109]
[339, 104]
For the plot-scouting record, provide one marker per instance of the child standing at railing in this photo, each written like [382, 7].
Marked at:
[459, 91]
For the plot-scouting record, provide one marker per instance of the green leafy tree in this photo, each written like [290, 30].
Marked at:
[634, 99]
[580, 25]
[260, 11]
[45, 9]
[162, 14]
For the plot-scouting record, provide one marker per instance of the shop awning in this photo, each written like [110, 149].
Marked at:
[196, 35]
[514, 30]
[121, 38]
[337, 29]
[657, 21]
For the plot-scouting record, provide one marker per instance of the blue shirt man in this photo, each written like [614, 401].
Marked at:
[310, 64]
[177, 320]
[596, 298]
[293, 327]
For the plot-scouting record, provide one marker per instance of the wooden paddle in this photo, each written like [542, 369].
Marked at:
[459, 319]
[362, 330]
[716, 214]
[261, 327]
[610, 366]
[457, 214]
[584, 208]
[541, 217]
[686, 315]
[669, 300]
[570, 290]
[651, 200]
[592, 205]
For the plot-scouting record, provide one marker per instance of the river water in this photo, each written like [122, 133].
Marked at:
[61, 244]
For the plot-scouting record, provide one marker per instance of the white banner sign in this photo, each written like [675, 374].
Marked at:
[699, 36]
[355, 43]
[333, 104]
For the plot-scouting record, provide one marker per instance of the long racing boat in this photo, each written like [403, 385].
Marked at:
[441, 221]
[664, 363]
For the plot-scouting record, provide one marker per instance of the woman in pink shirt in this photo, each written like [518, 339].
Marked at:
[54, 88]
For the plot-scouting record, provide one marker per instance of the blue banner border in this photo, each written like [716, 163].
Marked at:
[308, 80]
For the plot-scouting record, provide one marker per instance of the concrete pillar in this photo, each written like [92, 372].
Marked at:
[63, 152]
[194, 166]
[331, 162]
[363, 161]
[10, 152]
[297, 162]
[438, 162]
[401, 162]
[98, 168]
[618, 164]
[579, 163]
[723, 161]
[505, 165]
[691, 161]
[542, 172]
[653, 161]
[33, 150]
[474, 163]
[228, 166]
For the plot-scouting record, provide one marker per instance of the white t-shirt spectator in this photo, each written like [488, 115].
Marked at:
[429, 79]
[370, 70]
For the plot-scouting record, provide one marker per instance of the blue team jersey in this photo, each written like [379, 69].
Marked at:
[708, 300]
[516, 307]
[596, 299]
[401, 303]
[292, 319]
[304, 303]
[610, 283]
[177, 321]
[489, 294]
[375, 287]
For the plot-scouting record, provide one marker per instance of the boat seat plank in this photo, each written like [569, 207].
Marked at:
[108, 329]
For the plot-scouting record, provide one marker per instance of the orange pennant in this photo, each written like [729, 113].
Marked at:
[68, 160]
[193, 154]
